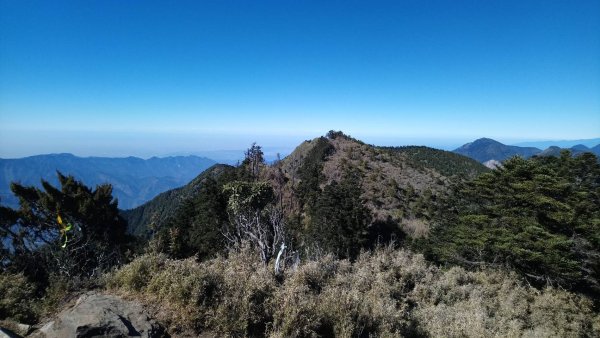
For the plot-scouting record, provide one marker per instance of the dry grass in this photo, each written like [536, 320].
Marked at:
[201, 295]
[415, 227]
[22, 302]
[386, 293]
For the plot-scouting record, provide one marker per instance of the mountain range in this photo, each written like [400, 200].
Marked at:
[486, 150]
[395, 183]
[134, 180]
[590, 143]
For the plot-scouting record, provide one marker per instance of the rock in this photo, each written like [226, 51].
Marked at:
[10, 328]
[23, 328]
[98, 315]
[492, 164]
[6, 333]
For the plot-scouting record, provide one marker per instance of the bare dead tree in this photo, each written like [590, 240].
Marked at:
[82, 257]
[254, 219]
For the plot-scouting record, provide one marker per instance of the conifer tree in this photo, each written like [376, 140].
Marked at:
[540, 216]
[71, 231]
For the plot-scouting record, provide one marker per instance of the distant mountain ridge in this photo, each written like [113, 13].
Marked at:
[134, 180]
[486, 150]
[590, 143]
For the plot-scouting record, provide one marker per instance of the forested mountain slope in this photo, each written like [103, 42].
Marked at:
[155, 212]
[389, 190]
[398, 186]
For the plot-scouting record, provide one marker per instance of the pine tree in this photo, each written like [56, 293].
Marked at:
[71, 231]
[539, 216]
[339, 222]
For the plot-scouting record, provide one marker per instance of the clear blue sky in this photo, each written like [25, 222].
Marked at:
[156, 77]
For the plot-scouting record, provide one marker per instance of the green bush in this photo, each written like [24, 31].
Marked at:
[339, 222]
[16, 298]
[58, 291]
[73, 231]
[538, 216]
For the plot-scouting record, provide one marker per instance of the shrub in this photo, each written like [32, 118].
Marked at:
[539, 216]
[16, 295]
[229, 295]
[385, 293]
[246, 291]
[57, 292]
[495, 304]
[136, 275]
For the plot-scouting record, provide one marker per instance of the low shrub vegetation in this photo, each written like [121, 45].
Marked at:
[15, 297]
[383, 293]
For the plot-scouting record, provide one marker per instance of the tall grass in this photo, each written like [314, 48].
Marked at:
[385, 293]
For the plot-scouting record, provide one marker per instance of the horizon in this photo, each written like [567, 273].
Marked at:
[146, 79]
[271, 152]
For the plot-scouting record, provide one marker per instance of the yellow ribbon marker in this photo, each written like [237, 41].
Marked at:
[63, 230]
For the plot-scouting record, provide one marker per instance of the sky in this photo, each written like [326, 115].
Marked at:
[145, 78]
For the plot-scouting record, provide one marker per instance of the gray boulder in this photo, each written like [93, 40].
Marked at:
[492, 164]
[99, 315]
[6, 333]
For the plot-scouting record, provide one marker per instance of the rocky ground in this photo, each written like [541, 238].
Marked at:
[94, 315]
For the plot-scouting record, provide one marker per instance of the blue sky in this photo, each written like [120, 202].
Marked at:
[158, 77]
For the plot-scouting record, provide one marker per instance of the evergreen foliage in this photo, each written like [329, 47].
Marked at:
[254, 219]
[58, 240]
[202, 218]
[195, 229]
[445, 162]
[16, 297]
[245, 196]
[253, 161]
[145, 220]
[40, 244]
[540, 216]
[339, 221]
[332, 135]
[311, 172]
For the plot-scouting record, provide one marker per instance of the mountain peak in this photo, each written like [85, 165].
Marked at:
[57, 155]
[580, 147]
[486, 149]
[485, 139]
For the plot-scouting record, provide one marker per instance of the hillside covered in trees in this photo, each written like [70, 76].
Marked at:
[340, 238]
